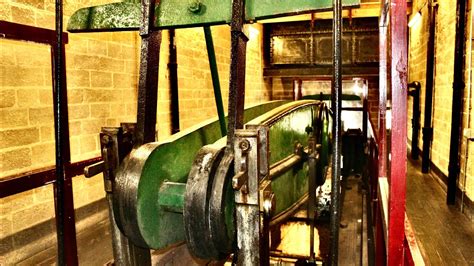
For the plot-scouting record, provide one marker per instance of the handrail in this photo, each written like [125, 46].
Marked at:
[22, 182]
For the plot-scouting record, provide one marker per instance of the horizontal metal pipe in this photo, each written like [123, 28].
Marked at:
[281, 167]
[15, 184]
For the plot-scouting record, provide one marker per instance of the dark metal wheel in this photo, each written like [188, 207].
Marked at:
[222, 206]
[197, 197]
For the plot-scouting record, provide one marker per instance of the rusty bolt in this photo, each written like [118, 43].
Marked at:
[105, 139]
[195, 6]
[298, 148]
[244, 145]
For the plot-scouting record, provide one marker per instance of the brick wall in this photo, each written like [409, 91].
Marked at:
[444, 65]
[102, 77]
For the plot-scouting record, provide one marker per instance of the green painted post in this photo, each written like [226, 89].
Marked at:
[215, 79]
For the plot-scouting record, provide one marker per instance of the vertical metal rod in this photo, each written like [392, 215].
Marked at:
[237, 72]
[215, 78]
[398, 169]
[381, 167]
[415, 122]
[65, 221]
[336, 102]
[311, 209]
[148, 82]
[173, 79]
[458, 96]
[383, 50]
[365, 112]
[427, 128]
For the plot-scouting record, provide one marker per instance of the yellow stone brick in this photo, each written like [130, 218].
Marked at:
[101, 79]
[96, 47]
[100, 110]
[92, 126]
[7, 98]
[88, 62]
[43, 154]
[78, 111]
[13, 117]
[75, 128]
[46, 133]
[32, 54]
[23, 15]
[28, 97]
[14, 159]
[18, 137]
[123, 81]
[41, 115]
[45, 20]
[35, 214]
[88, 143]
[75, 96]
[7, 58]
[78, 78]
[46, 97]
[15, 76]
[114, 50]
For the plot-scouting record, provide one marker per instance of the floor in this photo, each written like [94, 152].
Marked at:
[445, 235]
[350, 231]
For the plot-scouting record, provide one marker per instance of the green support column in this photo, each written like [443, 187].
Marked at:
[215, 79]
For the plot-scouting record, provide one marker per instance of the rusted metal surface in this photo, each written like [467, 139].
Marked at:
[116, 143]
[398, 169]
[196, 206]
[20, 32]
[237, 71]
[63, 197]
[148, 88]
[249, 232]
[336, 104]
[459, 86]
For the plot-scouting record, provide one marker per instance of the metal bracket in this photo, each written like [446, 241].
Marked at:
[253, 197]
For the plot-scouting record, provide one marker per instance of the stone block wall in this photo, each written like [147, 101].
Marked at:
[445, 32]
[102, 80]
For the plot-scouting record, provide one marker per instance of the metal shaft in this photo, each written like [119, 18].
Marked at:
[427, 128]
[237, 71]
[65, 222]
[148, 82]
[215, 78]
[458, 95]
[336, 102]
[173, 79]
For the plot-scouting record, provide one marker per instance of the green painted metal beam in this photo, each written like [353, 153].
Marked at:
[126, 15]
[215, 79]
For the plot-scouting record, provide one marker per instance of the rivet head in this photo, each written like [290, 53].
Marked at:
[105, 139]
[194, 6]
[244, 145]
